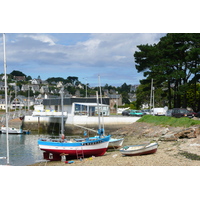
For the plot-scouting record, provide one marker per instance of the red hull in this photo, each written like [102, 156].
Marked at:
[142, 153]
[54, 155]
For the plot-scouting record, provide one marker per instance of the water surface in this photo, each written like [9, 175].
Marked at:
[23, 149]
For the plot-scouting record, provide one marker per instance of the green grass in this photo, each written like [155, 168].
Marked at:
[169, 121]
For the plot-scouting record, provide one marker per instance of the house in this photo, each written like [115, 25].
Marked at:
[19, 78]
[3, 103]
[134, 88]
[80, 86]
[68, 84]
[36, 81]
[77, 106]
[59, 84]
[115, 101]
[35, 88]
[2, 87]
[16, 88]
[44, 89]
[132, 97]
[25, 88]
[45, 83]
[77, 93]
[19, 102]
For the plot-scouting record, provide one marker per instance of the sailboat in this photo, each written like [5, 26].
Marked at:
[113, 142]
[11, 130]
[56, 148]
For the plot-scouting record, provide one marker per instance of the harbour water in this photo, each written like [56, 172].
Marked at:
[23, 149]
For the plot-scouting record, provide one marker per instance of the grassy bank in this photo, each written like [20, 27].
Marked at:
[169, 121]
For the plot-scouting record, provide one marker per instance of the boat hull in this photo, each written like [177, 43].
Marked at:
[55, 155]
[115, 143]
[11, 130]
[54, 150]
[139, 150]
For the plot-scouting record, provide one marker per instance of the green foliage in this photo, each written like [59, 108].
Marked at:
[169, 121]
[55, 79]
[133, 106]
[17, 73]
[175, 60]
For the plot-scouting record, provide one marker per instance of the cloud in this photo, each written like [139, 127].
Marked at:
[40, 37]
[110, 54]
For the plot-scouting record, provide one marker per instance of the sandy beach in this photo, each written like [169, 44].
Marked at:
[169, 153]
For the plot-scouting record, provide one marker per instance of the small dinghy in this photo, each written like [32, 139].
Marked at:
[142, 149]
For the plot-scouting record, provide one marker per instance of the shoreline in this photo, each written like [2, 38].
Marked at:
[167, 154]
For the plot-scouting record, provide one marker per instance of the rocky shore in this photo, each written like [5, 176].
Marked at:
[177, 147]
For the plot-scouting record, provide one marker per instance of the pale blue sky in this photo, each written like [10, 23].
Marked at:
[84, 55]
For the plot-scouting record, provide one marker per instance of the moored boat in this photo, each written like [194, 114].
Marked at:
[11, 130]
[142, 149]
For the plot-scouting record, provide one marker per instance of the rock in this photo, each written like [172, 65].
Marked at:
[114, 156]
[187, 133]
[165, 131]
[197, 129]
[168, 137]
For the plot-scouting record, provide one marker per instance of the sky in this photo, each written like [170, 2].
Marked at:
[84, 55]
[87, 38]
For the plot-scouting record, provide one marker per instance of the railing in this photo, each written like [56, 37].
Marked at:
[48, 114]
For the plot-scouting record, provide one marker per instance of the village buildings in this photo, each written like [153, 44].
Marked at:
[29, 93]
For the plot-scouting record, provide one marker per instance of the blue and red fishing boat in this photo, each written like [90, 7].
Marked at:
[71, 147]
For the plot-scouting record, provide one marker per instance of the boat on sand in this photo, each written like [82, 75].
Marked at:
[68, 147]
[142, 149]
[115, 143]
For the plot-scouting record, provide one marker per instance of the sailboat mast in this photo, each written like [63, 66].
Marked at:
[151, 94]
[101, 103]
[6, 96]
[62, 120]
[98, 110]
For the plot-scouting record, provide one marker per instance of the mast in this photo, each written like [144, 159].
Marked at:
[151, 94]
[152, 97]
[98, 110]
[101, 105]
[6, 96]
[62, 120]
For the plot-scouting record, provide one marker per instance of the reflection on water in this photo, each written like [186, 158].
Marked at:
[23, 149]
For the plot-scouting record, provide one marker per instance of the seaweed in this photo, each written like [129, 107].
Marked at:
[190, 156]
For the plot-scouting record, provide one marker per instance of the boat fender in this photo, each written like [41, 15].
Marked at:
[69, 162]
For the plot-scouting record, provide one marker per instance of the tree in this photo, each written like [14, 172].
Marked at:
[73, 80]
[17, 73]
[173, 61]
[55, 79]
